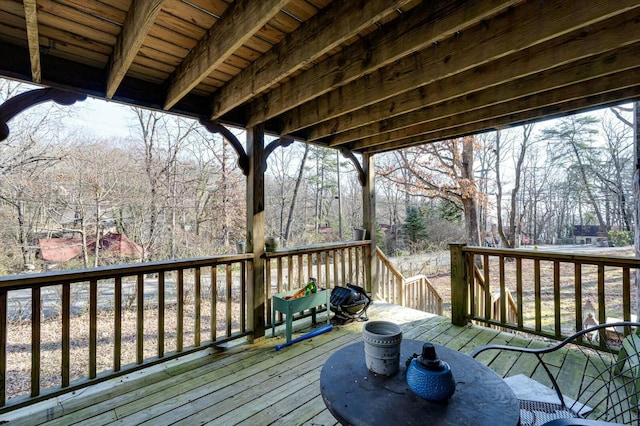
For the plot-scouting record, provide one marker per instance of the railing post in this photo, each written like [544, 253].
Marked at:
[255, 232]
[459, 287]
[369, 221]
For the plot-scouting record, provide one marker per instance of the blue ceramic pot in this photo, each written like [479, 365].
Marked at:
[429, 377]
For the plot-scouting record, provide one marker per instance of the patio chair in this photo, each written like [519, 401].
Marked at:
[595, 374]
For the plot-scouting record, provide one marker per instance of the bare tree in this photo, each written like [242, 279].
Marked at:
[442, 170]
[573, 145]
[31, 148]
[515, 214]
[294, 196]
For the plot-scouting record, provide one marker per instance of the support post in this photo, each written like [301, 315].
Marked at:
[369, 222]
[459, 287]
[255, 230]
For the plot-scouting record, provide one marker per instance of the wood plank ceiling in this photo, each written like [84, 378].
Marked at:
[364, 75]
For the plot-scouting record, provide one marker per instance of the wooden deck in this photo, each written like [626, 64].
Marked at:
[249, 383]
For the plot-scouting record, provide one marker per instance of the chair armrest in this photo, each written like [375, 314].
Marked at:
[566, 341]
[578, 422]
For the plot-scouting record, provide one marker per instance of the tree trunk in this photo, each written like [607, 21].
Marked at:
[22, 234]
[503, 238]
[287, 231]
[97, 235]
[470, 201]
[514, 225]
[585, 181]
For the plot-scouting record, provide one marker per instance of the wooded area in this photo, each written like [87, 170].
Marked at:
[175, 189]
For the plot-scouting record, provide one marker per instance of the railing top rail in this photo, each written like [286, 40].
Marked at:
[315, 248]
[16, 282]
[556, 256]
[416, 278]
[390, 266]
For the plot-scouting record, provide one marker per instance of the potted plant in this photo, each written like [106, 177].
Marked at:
[271, 243]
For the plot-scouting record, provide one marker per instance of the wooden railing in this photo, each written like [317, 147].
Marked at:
[95, 324]
[554, 292]
[334, 264]
[416, 292]
[64, 330]
[480, 288]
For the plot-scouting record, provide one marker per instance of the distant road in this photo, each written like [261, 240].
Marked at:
[582, 248]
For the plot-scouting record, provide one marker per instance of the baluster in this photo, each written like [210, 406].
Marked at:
[229, 283]
[66, 331]
[161, 297]
[140, 319]
[36, 311]
[3, 347]
[556, 299]
[601, 297]
[519, 290]
[577, 273]
[243, 297]
[180, 319]
[197, 295]
[117, 323]
[290, 275]
[537, 293]
[214, 303]
[488, 306]
[503, 292]
[93, 327]
[626, 293]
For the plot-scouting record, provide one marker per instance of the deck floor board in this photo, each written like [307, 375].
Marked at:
[252, 383]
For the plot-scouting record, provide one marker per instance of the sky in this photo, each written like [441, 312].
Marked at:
[109, 118]
[101, 117]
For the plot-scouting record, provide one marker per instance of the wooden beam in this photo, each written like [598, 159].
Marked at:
[280, 142]
[239, 22]
[476, 104]
[592, 40]
[139, 20]
[31, 22]
[15, 105]
[522, 112]
[321, 34]
[513, 31]
[369, 223]
[243, 158]
[255, 229]
[417, 29]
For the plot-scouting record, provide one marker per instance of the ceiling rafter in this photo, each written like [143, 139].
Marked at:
[565, 83]
[513, 31]
[523, 113]
[415, 30]
[363, 76]
[239, 23]
[318, 36]
[139, 20]
[537, 73]
[31, 22]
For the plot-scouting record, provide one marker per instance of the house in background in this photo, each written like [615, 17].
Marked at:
[590, 234]
[59, 250]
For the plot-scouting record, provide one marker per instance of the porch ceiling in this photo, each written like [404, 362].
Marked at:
[368, 76]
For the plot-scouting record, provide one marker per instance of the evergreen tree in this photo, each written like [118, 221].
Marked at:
[414, 226]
